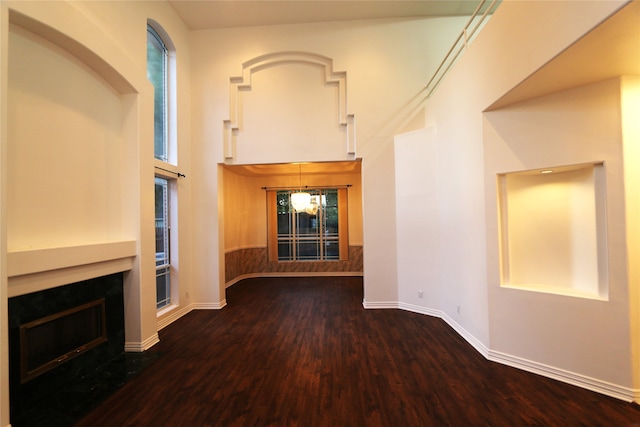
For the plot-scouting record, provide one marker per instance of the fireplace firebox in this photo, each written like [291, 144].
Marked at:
[59, 336]
[47, 342]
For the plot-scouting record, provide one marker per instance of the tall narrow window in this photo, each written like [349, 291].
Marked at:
[157, 60]
[163, 255]
[317, 235]
[161, 73]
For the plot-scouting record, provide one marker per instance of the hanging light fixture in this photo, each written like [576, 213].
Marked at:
[312, 207]
[300, 200]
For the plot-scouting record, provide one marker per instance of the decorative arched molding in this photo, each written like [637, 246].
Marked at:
[243, 83]
[87, 54]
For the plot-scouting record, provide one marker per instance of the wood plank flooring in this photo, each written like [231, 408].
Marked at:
[304, 352]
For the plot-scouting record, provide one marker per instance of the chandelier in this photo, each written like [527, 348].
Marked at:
[301, 200]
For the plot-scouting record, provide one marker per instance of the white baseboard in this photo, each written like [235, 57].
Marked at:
[178, 312]
[468, 337]
[579, 380]
[209, 305]
[380, 304]
[173, 315]
[420, 310]
[479, 346]
[139, 347]
[582, 381]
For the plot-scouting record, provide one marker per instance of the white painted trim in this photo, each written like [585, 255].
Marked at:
[209, 305]
[139, 347]
[33, 261]
[420, 309]
[243, 83]
[171, 316]
[180, 311]
[380, 304]
[475, 343]
[28, 283]
[589, 383]
[38, 269]
[479, 346]
[582, 381]
[294, 274]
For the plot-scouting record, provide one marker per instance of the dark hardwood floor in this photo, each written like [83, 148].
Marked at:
[304, 352]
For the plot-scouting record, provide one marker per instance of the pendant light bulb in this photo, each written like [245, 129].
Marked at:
[300, 200]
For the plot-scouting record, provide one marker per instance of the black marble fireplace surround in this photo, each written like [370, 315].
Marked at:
[30, 398]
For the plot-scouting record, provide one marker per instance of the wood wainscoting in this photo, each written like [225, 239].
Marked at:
[254, 262]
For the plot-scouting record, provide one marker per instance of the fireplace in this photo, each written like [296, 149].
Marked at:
[47, 342]
[59, 335]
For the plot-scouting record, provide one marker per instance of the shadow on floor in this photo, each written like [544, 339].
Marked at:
[79, 397]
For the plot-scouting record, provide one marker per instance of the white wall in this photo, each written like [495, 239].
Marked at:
[77, 147]
[417, 231]
[572, 127]
[63, 159]
[387, 64]
[550, 227]
[4, 292]
[586, 341]
[287, 103]
[631, 151]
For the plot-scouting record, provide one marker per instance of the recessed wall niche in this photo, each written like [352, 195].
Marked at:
[552, 230]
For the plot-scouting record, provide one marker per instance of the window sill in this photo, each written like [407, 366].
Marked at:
[166, 310]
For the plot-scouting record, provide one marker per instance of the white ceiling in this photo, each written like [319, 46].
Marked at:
[212, 14]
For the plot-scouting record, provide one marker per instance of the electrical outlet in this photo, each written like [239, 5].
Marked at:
[458, 308]
[420, 294]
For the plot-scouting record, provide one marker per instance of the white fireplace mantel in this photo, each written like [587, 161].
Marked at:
[38, 269]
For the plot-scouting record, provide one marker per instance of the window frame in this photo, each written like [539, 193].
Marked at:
[166, 165]
[343, 225]
[164, 269]
[162, 46]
